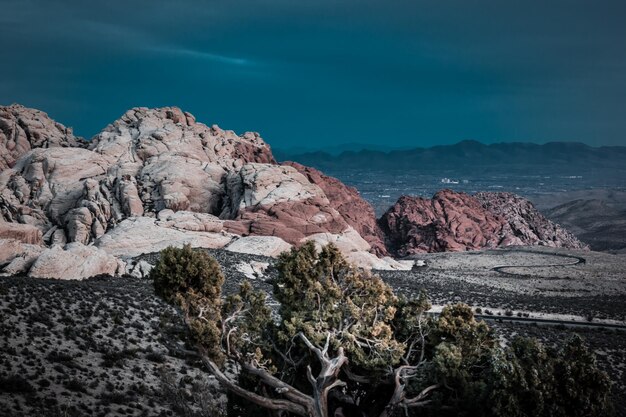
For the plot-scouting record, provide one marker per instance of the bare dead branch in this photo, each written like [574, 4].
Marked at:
[269, 403]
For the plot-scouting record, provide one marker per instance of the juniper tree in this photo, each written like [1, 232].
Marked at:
[341, 340]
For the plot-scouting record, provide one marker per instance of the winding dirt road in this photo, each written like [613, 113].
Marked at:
[576, 261]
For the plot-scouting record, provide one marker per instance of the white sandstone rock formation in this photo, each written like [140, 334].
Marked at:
[139, 235]
[22, 129]
[140, 269]
[259, 245]
[155, 178]
[75, 261]
[253, 269]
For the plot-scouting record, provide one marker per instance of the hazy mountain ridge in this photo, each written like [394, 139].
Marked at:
[472, 155]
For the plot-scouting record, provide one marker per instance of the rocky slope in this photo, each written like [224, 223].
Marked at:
[452, 221]
[156, 177]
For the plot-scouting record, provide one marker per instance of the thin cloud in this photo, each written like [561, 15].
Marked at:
[203, 55]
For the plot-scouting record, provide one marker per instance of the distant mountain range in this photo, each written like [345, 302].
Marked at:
[470, 156]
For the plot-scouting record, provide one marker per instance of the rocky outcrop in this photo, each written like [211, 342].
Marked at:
[149, 160]
[139, 235]
[452, 221]
[24, 233]
[75, 261]
[45, 184]
[156, 177]
[357, 212]
[139, 269]
[272, 200]
[16, 257]
[259, 245]
[526, 223]
[22, 129]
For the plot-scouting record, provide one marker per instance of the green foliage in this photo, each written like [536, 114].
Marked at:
[249, 313]
[183, 270]
[525, 379]
[529, 380]
[320, 294]
[193, 281]
[456, 358]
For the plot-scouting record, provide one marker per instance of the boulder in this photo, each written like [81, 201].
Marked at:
[23, 259]
[140, 269]
[190, 221]
[9, 249]
[253, 269]
[74, 262]
[271, 246]
[347, 241]
[367, 260]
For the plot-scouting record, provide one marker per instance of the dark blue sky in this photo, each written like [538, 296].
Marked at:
[325, 72]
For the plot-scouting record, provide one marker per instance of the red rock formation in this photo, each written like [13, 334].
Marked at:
[272, 200]
[526, 222]
[448, 222]
[24, 233]
[452, 221]
[288, 220]
[357, 212]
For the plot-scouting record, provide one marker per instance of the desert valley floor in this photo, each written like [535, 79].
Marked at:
[109, 346]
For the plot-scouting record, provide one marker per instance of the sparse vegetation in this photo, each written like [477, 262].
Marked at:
[74, 347]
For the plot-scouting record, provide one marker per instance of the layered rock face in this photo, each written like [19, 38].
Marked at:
[157, 177]
[357, 212]
[452, 221]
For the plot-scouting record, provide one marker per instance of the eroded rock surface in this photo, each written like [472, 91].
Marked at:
[75, 261]
[526, 223]
[139, 235]
[22, 129]
[259, 245]
[157, 177]
[357, 212]
[452, 221]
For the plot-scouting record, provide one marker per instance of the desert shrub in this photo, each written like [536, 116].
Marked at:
[15, 384]
[155, 357]
[117, 397]
[182, 270]
[75, 385]
[193, 281]
[198, 401]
